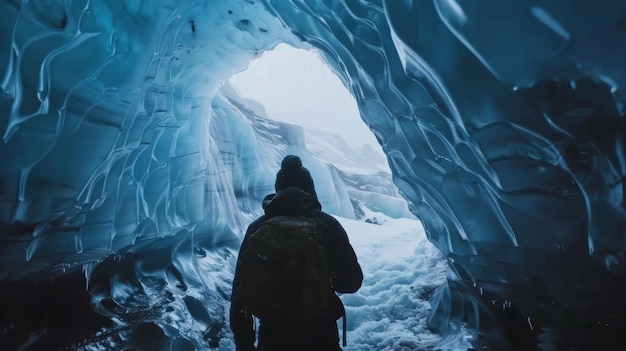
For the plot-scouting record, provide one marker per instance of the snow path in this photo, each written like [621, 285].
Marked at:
[401, 271]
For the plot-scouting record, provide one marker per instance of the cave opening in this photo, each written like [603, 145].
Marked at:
[297, 86]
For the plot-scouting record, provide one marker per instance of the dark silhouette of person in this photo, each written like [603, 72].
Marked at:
[295, 196]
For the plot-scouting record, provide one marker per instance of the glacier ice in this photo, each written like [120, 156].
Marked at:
[503, 124]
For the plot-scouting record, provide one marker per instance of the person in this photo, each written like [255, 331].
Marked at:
[295, 196]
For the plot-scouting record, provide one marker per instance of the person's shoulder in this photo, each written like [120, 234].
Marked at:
[327, 219]
[256, 224]
[318, 213]
[258, 221]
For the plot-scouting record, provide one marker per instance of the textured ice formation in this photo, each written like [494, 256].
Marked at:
[503, 124]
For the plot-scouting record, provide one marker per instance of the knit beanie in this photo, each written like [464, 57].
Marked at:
[293, 174]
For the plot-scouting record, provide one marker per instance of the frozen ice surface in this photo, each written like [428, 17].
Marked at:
[124, 158]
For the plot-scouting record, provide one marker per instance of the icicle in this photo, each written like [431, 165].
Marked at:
[88, 269]
[32, 247]
[78, 243]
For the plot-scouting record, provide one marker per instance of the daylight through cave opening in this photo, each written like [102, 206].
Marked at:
[296, 86]
[290, 100]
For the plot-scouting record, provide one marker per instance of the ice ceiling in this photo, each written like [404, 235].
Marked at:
[503, 124]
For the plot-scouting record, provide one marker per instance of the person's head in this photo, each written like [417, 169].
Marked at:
[293, 174]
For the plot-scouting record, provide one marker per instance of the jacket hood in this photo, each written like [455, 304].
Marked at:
[290, 202]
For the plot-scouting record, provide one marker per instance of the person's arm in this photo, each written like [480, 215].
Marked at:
[241, 322]
[242, 327]
[347, 275]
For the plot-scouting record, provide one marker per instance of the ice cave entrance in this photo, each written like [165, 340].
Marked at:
[296, 86]
[401, 268]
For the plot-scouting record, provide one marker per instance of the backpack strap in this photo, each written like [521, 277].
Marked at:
[344, 329]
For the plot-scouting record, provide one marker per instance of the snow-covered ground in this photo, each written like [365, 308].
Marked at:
[401, 269]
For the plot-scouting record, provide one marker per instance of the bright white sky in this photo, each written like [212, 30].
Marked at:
[297, 87]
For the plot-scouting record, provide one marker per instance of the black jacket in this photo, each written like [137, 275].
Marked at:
[345, 270]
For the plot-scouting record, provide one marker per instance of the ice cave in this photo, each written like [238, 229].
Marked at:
[129, 167]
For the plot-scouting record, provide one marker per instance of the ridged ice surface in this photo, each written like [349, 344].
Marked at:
[503, 124]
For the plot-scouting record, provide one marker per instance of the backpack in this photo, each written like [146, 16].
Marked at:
[283, 270]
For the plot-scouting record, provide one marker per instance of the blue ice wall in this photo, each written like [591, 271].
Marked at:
[502, 123]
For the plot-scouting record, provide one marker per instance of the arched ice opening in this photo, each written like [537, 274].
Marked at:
[506, 137]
